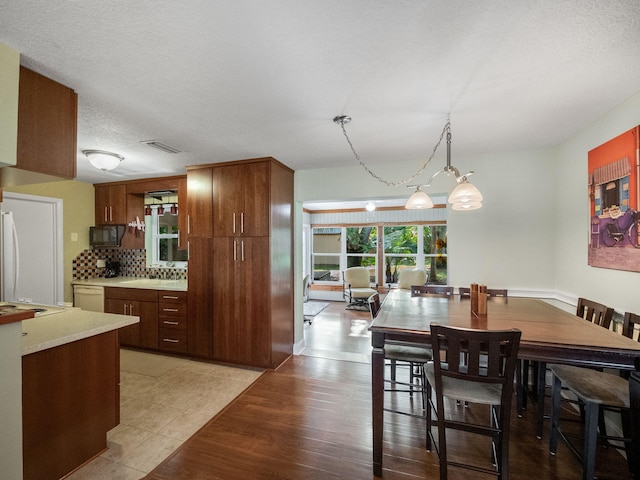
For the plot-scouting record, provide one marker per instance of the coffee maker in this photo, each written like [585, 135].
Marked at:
[112, 269]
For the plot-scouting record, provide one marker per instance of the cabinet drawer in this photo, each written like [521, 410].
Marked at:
[173, 323]
[172, 297]
[140, 294]
[174, 340]
[172, 309]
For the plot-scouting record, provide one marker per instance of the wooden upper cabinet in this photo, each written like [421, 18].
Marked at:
[199, 202]
[111, 204]
[241, 200]
[47, 126]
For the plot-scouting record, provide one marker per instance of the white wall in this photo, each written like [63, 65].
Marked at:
[573, 276]
[507, 243]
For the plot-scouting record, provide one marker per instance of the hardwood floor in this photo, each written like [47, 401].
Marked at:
[311, 419]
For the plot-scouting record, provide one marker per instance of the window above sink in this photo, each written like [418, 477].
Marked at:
[161, 230]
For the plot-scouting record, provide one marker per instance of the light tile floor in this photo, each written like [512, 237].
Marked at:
[163, 401]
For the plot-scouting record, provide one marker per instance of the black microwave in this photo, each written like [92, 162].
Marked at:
[106, 235]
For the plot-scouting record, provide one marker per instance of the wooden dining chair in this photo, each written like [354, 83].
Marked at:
[374, 305]
[591, 311]
[595, 312]
[629, 324]
[596, 392]
[411, 355]
[465, 292]
[439, 290]
[497, 292]
[476, 366]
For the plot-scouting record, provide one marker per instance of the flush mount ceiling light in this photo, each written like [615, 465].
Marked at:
[102, 159]
[464, 197]
[370, 206]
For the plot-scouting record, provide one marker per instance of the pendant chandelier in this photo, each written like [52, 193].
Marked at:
[464, 196]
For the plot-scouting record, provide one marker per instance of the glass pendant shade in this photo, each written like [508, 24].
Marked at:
[465, 197]
[418, 201]
[103, 160]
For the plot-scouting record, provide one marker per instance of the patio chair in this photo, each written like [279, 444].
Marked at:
[356, 288]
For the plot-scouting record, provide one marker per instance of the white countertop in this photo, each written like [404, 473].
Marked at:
[133, 282]
[68, 325]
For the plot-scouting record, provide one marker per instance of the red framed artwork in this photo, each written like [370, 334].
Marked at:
[614, 197]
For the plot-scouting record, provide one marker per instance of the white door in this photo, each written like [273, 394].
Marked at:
[38, 232]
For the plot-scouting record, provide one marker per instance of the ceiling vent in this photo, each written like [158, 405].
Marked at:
[161, 146]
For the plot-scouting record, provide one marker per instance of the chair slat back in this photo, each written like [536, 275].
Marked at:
[440, 290]
[595, 312]
[374, 305]
[486, 356]
[629, 324]
[465, 292]
[497, 292]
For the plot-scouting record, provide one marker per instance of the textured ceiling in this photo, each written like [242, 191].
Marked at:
[226, 80]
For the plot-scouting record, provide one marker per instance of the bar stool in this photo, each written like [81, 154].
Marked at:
[477, 366]
[596, 391]
[413, 355]
[592, 312]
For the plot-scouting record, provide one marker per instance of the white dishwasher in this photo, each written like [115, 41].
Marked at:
[88, 297]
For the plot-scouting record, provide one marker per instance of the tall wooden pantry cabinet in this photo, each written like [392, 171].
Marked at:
[252, 261]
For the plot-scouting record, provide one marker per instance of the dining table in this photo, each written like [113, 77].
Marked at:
[549, 335]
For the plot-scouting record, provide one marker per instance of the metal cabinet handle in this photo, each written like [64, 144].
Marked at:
[242, 222]
[167, 322]
[234, 222]
[170, 340]
[125, 309]
[110, 214]
[235, 255]
[169, 309]
[105, 216]
[188, 224]
[170, 297]
[242, 249]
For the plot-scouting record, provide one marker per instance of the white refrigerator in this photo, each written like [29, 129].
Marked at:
[32, 249]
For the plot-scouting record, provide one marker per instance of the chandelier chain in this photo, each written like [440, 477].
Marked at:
[397, 183]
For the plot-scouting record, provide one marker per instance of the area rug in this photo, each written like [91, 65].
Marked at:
[311, 309]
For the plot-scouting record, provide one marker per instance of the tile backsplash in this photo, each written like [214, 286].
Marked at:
[132, 264]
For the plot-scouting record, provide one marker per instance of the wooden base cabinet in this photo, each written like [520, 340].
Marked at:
[172, 321]
[139, 303]
[70, 400]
